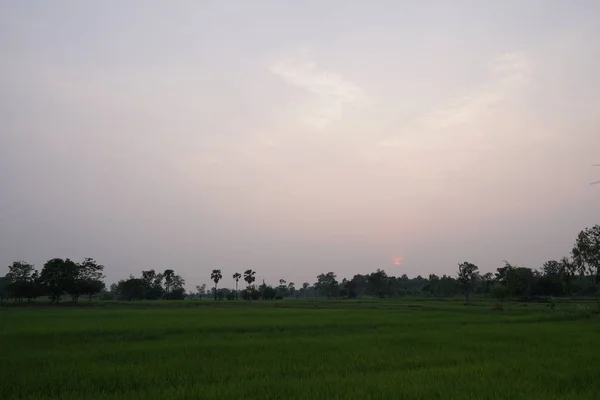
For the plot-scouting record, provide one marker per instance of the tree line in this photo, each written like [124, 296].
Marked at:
[58, 277]
[576, 275]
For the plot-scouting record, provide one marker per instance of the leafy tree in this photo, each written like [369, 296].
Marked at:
[586, 256]
[169, 275]
[201, 290]
[59, 276]
[468, 274]
[4, 282]
[21, 271]
[177, 293]
[282, 289]
[434, 284]
[174, 286]
[23, 281]
[303, 291]
[551, 268]
[327, 285]
[268, 293]
[487, 279]
[525, 282]
[568, 270]
[377, 283]
[349, 288]
[216, 277]
[153, 288]
[549, 281]
[130, 289]
[236, 277]
[359, 286]
[557, 277]
[158, 285]
[89, 278]
[90, 287]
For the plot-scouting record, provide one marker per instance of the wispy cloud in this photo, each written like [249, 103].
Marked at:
[508, 73]
[330, 87]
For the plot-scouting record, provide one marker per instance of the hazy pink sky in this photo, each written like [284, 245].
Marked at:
[296, 138]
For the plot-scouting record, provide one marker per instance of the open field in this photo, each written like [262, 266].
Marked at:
[400, 349]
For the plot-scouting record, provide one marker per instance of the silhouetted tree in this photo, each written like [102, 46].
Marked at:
[249, 276]
[131, 289]
[174, 283]
[327, 285]
[468, 274]
[568, 270]
[89, 278]
[586, 256]
[487, 280]
[59, 276]
[153, 286]
[216, 277]
[22, 281]
[304, 289]
[236, 277]
[377, 283]
[4, 282]
[268, 293]
[201, 290]
[168, 276]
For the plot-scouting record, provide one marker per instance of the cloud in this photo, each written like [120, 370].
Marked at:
[508, 73]
[330, 87]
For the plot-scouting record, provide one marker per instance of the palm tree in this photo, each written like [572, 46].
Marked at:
[249, 276]
[236, 277]
[216, 277]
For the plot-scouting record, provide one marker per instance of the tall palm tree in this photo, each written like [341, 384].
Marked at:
[216, 277]
[249, 276]
[236, 277]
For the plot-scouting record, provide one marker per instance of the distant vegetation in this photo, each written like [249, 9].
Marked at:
[577, 275]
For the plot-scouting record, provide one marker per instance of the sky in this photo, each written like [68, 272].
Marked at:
[296, 138]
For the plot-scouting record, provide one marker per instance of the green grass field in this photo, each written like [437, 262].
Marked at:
[402, 349]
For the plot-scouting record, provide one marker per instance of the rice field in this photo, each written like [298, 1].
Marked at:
[295, 349]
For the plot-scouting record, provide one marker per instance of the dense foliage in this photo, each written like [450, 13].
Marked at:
[57, 278]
